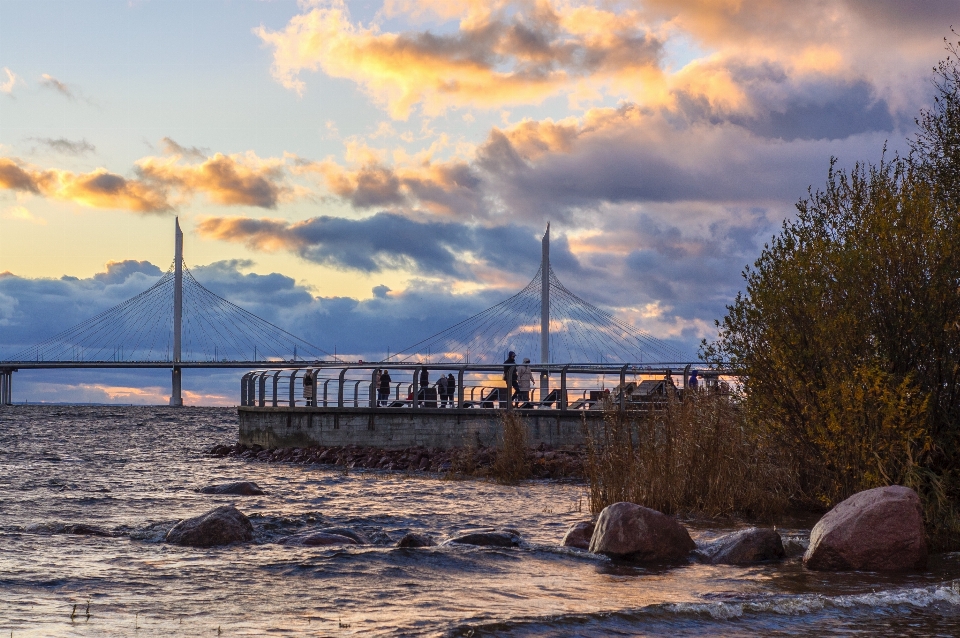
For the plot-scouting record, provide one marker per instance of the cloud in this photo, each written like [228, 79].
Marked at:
[509, 55]
[96, 189]
[12, 80]
[229, 180]
[22, 213]
[69, 147]
[451, 188]
[226, 179]
[172, 148]
[54, 84]
[386, 241]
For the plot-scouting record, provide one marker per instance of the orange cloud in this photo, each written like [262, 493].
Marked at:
[97, 189]
[226, 179]
[230, 180]
[496, 57]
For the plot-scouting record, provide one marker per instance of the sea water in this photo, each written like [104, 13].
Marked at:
[133, 472]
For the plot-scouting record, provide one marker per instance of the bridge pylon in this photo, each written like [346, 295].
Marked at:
[175, 397]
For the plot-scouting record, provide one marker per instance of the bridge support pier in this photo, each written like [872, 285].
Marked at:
[176, 399]
[6, 387]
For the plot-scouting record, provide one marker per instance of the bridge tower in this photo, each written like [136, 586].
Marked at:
[545, 311]
[175, 397]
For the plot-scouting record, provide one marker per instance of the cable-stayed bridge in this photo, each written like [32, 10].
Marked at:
[177, 324]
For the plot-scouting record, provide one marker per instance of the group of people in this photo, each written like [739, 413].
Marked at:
[446, 387]
[517, 376]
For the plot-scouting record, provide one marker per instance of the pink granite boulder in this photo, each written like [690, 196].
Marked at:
[743, 547]
[875, 530]
[220, 526]
[629, 531]
[579, 535]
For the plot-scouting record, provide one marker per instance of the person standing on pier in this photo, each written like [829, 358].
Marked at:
[442, 390]
[451, 389]
[510, 365]
[384, 387]
[524, 382]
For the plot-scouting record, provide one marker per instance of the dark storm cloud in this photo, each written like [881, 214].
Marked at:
[388, 241]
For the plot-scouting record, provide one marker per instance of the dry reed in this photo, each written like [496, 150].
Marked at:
[697, 457]
[511, 464]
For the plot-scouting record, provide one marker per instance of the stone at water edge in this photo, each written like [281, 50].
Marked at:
[413, 539]
[627, 530]
[579, 535]
[497, 538]
[320, 539]
[220, 526]
[240, 488]
[752, 545]
[874, 530]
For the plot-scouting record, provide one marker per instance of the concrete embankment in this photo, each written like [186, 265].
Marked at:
[398, 428]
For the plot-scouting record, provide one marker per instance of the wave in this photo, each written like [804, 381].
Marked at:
[766, 614]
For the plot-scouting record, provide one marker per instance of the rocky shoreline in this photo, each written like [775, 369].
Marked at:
[543, 461]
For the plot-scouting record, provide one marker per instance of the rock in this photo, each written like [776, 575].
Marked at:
[499, 538]
[875, 530]
[359, 539]
[752, 545]
[79, 529]
[240, 488]
[414, 539]
[220, 526]
[579, 535]
[626, 530]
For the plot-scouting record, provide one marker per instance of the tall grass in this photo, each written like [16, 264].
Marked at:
[698, 456]
[511, 464]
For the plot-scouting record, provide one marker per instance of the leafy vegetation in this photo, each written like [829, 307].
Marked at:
[848, 332]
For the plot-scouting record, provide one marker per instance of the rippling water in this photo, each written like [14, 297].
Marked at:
[134, 472]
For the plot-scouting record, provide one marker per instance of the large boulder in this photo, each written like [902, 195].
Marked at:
[752, 545]
[240, 488]
[220, 526]
[579, 535]
[629, 531]
[874, 530]
[413, 539]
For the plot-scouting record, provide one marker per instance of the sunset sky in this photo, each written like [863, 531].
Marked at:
[367, 173]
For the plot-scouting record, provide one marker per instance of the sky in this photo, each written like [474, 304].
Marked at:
[365, 174]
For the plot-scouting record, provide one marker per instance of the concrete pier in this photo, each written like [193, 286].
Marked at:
[285, 427]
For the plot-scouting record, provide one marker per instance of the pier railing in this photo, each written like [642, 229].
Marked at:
[557, 387]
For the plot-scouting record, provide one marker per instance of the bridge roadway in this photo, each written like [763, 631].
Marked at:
[7, 368]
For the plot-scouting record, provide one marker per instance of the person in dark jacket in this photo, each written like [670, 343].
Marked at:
[442, 390]
[384, 389]
[451, 389]
[510, 375]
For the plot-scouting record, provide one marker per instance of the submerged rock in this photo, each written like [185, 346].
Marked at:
[492, 538]
[629, 531]
[240, 488]
[743, 547]
[414, 539]
[579, 535]
[874, 530]
[320, 539]
[360, 539]
[80, 529]
[220, 526]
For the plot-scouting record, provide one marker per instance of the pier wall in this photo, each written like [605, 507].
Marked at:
[387, 428]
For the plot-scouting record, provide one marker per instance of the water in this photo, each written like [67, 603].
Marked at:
[134, 471]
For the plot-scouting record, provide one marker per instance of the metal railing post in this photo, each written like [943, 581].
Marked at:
[243, 388]
[563, 388]
[276, 382]
[325, 391]
[416, 386]
[263, 389]
[293, 388]
[623, 388]
[460, 389]
[374, 390]
[343, 373]
[356, 394]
